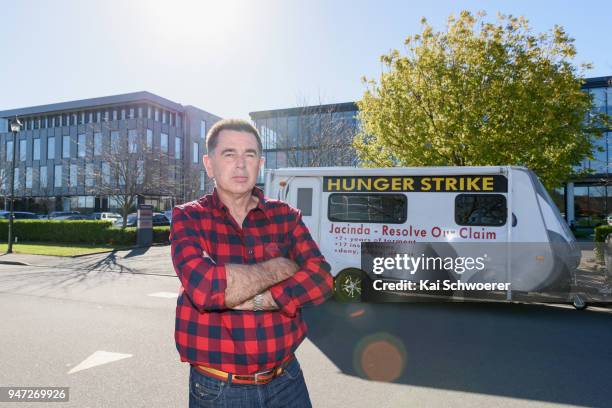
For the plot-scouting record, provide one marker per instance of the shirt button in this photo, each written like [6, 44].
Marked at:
[250, 252]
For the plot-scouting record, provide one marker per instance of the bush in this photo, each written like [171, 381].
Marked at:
[601, 232]
[77, 232]
[161, 235]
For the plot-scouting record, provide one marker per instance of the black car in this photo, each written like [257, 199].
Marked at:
[18, 215]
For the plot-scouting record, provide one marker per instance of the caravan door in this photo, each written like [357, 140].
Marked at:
[305, 194]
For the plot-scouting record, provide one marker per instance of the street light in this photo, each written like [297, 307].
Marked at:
[15, 128]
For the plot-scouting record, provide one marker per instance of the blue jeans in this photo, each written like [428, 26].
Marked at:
[286, 390]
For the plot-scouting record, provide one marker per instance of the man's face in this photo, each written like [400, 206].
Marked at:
[235, 162]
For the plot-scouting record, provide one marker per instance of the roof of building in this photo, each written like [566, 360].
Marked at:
[598, 82]
[304, 110]
[133, 97]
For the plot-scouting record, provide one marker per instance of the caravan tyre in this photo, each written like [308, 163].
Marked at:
[347, 285]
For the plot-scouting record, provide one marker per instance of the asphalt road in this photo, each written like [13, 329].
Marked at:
[99, 331]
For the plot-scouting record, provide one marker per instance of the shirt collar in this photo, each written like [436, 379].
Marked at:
[257, 192]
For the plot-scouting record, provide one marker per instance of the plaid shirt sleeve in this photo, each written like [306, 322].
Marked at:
[203, 280]
[312, 283]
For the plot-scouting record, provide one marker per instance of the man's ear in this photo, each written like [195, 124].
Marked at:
[208, 166]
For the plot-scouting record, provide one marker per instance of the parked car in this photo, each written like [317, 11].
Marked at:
[42, 216]
[106, 216]
[55, 214]
[73, 217]
[609, 219]
[159, 219]
[18, 215]
[168, 215]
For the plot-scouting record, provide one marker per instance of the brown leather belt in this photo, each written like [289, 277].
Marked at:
[262, 377]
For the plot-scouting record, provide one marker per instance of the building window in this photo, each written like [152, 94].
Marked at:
[16, 179]
[36, 150]
[122, 114]
[28, 177]
[140, 111]
[46, 122]
[51, 148]
[89, 175]
[164, 115]
[156, 115]
[9, 150]
[43, 176]
[196, 152]
[202, 181]
[22, 150]
[164, 143]
[114, 114]
[115, 141]
[148, 112]
[98, 116]
[91, 117]
[73, 175]
[177, 147]
[81, 140]
[74, 119]
[140, 172]
[105, 173]
[97, 144]
[133, 141]
[149, 139]
[66, 147]
[203, 129]
[131, 112]
[57, 176]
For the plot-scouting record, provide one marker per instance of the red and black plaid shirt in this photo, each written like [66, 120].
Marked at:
[205, 237]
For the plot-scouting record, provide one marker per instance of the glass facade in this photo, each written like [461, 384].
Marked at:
[316, 136]
[592, 195]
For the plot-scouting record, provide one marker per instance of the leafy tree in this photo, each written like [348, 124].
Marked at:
[480, 93]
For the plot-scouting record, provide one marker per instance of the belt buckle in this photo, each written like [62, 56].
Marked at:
[260, 373]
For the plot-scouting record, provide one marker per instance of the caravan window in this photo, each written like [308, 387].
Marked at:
[383, 208]
[481, 209]
[304, 201]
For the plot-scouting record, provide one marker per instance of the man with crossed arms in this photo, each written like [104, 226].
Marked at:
[247, 265]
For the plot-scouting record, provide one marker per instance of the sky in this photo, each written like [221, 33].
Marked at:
[233, 57]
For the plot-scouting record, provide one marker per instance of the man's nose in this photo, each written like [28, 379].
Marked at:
[240, 161]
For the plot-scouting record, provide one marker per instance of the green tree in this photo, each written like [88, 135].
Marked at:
[480, 93]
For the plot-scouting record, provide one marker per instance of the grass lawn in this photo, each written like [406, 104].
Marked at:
[35, 248]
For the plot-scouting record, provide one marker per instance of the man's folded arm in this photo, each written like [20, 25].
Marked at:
[312, 283]
[203, 280]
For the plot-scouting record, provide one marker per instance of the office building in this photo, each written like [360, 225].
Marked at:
[86, 155]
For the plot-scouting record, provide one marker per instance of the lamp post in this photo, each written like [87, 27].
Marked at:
[15, 128]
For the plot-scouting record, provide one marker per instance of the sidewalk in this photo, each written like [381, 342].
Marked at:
[154, 260]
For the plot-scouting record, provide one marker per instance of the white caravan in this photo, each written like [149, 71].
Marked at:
[503, 205]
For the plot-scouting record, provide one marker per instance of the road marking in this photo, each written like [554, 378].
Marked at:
[168, 295]
[98, 358]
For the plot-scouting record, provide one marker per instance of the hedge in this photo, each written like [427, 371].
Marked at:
[602, 232]
[77, 232]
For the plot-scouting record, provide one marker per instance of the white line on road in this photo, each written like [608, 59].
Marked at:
[168, 295]
[98, 358]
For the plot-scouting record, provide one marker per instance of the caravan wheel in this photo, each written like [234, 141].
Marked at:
[347, 285]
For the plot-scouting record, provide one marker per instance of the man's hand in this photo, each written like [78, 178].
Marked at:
[268, 303]
[245, 281]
